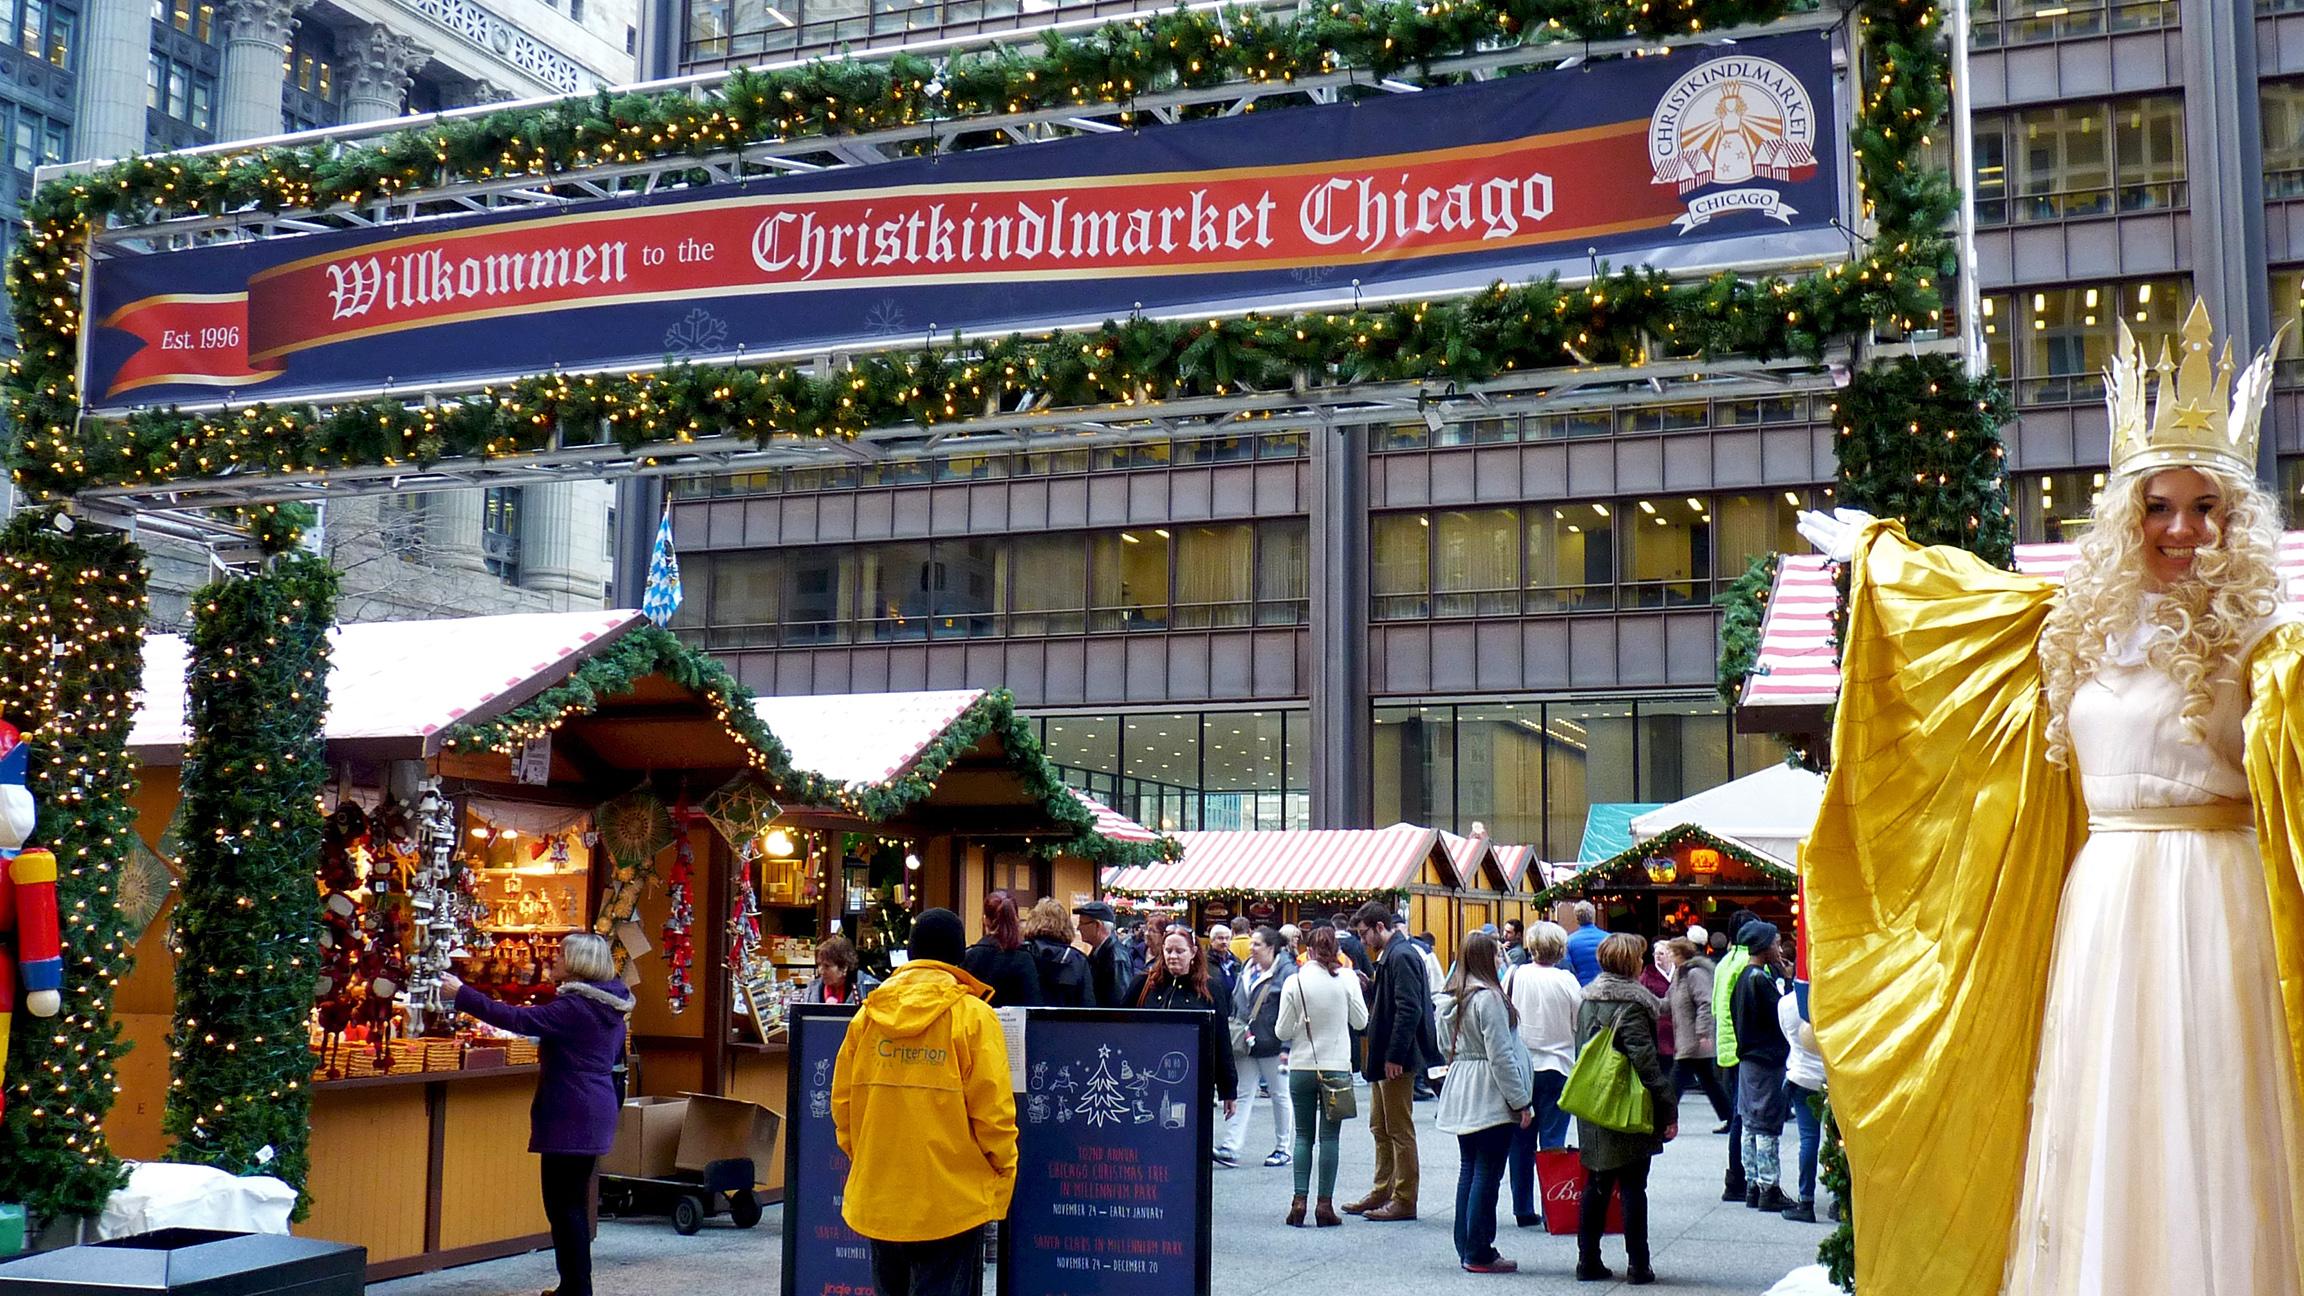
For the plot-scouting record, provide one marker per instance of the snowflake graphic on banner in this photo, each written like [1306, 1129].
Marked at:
[1101, 1102]
[885, 319]
[702, 331]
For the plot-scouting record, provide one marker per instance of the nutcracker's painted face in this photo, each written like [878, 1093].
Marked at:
[2181, 514]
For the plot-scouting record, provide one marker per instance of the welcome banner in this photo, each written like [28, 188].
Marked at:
[1697, 159]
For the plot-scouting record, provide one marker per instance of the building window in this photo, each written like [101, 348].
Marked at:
[177, 90]
[500, 533]
[1049, 574]
[1195, 769]
[1400, 574]
[2282, 105]
[1531, 770]
[2054, 507]
[1571, 557]
[1128, 580]
[2053, 343]
[2027, 22]
[2080, 159]
[1283, 571]
[194, 19]
[1476, 562]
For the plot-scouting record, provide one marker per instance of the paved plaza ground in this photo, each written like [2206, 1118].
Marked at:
[1701, 1243]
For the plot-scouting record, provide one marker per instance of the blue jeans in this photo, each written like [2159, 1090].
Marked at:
[1479, 1174]
[1811, 1130]
[1549, 1130]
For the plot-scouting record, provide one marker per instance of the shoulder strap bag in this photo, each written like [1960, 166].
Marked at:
[1338, 1101]
[1605, 1090]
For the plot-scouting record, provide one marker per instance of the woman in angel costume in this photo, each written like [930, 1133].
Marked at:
[2061, 824]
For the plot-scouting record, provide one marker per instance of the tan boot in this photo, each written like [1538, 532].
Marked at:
[1374, 1199]
[1324, 1213]
[1296, 1212]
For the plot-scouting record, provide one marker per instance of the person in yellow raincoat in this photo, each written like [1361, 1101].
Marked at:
[2062, 825]
[922, 1107]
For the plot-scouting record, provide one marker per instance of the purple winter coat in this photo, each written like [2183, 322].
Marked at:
[580, 1038]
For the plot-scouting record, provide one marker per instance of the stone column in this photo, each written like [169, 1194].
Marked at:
[378, 64]
[255, 67]
[2224, 171]
[452, 530]
[1341, 796]
[563, 541]
[115, 49]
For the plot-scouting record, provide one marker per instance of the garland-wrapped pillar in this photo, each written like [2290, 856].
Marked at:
[246, 925]
[71, 649]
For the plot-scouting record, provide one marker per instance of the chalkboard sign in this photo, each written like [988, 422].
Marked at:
[1113, 1175]
[822, 1255]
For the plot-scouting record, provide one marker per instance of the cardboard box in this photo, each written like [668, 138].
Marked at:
[647, 1138]
[716, 1129]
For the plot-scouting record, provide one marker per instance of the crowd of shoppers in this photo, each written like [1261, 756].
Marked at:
[1335, 1021]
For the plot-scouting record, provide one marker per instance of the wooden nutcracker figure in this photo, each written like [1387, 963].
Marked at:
[31, 942]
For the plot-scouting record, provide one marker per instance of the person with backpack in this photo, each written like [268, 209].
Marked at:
[1256, 1043]
[1065, 980]
[1728, 968]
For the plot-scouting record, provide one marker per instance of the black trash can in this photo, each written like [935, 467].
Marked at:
[191, 1262]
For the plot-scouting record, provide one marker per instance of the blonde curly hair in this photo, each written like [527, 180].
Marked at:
[2204, 621]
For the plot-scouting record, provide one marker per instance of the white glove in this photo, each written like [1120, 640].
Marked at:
[1834, 534]
[44, 1003]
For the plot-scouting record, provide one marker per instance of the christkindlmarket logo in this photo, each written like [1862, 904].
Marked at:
[1729, 122]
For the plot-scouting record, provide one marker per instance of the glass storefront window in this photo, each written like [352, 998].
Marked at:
[1215, 574]
[1588, 760]
[1415, 765]
[1683, 748]
[1128, 580]
[1669, 561]
[1476, 562]
[1500, 771]
[1571, 557]
[1400, 574]
[1297, 790]
[1245, 780]
[1161, 782]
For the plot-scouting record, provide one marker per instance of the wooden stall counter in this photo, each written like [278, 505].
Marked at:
[426, 1169]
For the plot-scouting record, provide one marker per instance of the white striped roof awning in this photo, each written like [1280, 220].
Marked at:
[1279, 863]
[1515, 861]
[1795, 666]
[1112, 825]
[861, 739]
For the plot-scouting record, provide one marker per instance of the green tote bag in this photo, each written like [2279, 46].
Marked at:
[1604, 1089]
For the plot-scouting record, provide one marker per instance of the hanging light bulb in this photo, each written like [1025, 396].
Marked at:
[911, 862]
[779, 843]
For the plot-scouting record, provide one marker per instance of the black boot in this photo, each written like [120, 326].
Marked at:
[1801, 1212]
[1593, 1271]
[1752, 1197]
[1735, 1189]
[1773, 1200]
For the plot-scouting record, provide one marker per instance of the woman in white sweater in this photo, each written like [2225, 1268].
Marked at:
[1546, 997]
[1320, 1007]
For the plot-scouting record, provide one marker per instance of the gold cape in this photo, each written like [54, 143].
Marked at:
[1933, 877]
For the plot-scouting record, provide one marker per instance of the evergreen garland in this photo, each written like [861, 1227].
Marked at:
[1920, 440]
[1628, 865]
[1744, 607]
[1626, 316]
[248, 921]
[1837, 1253]
[650, 650]
[72, 613]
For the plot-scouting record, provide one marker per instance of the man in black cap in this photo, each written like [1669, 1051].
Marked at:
[1104, 981]
[1761, 1054]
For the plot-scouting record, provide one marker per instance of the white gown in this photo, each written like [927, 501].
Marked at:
[2165, 1129]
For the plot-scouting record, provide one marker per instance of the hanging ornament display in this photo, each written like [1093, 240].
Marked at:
[680, 917]
[340, 986]
[740, 811]
[440, 903]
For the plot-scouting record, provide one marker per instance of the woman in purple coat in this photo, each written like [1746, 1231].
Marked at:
[572, 1122]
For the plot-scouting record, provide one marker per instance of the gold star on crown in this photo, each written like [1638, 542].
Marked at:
[2189, 422]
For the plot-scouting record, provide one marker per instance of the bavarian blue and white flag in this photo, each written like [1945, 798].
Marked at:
[662, 597]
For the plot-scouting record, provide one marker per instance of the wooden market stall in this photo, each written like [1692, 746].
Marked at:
[1658, 887]
[1302, 875]
[419, 1146]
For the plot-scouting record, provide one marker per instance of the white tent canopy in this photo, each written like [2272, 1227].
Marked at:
[1772, 811]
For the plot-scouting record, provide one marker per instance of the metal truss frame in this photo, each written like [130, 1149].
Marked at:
[1315, 408]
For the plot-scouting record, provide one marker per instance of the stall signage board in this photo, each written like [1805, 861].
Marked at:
[1701, 158]
[1113, 1188]
[822, 1255]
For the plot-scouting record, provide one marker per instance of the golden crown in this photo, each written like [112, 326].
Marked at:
[2190, 422]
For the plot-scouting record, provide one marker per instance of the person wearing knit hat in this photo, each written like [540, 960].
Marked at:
[1729, 969]
[1761, 1055]
[921, 1106]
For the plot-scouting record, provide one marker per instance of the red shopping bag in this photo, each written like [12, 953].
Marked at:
[1560, 1174]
